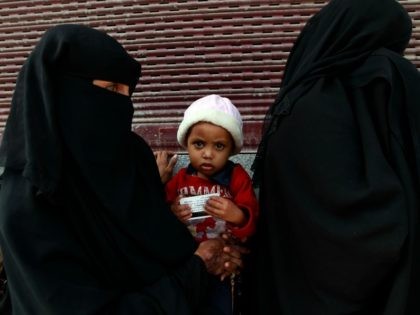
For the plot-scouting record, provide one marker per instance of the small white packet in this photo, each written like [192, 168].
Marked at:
[202, 225]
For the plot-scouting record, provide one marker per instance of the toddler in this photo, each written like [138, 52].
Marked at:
[211, 132]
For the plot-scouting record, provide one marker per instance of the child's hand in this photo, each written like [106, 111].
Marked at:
[182, 212]
[165, 161]
[225, 209]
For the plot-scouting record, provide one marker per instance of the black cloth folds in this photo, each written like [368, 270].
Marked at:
[338, 170]
[84, 227]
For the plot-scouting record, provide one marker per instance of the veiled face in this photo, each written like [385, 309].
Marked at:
[116, 87]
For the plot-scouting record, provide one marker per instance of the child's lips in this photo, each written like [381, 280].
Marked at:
[207, 166]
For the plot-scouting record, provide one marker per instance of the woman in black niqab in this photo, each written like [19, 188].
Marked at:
[338, 169]
[84, 227]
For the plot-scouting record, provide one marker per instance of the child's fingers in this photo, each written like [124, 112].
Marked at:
[185, 218]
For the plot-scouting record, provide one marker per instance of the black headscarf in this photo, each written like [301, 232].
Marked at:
[338, 169]
[334, 41]
[33, 121]
[79, 184]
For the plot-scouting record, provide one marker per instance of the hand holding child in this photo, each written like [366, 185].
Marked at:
[166, 162]
[220, 257]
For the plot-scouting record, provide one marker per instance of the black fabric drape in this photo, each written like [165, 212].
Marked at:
[334, 41]
[84, 226]
[338, 171]
[32, 122]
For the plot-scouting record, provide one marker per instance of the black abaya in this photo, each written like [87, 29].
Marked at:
[84, 227]
[338, 171]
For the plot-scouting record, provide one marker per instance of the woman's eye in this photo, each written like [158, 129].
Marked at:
[112, 87]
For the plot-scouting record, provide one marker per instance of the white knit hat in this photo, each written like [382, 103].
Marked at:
[216, 110]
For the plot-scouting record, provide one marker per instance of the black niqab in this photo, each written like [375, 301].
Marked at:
[335, 40]
[33, 117]
[83, 213]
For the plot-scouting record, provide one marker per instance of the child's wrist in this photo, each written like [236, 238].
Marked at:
[239, 220]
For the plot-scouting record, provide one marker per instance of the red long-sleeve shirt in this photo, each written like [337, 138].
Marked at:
[239, 189]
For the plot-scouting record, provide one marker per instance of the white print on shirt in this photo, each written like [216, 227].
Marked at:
[204, 190]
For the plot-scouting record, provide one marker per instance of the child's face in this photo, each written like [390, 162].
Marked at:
[209, 147]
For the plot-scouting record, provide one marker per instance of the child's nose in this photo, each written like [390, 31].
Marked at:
[207, 153]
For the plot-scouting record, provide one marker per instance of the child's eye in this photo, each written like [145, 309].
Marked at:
[219, 146]
[198, 144]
